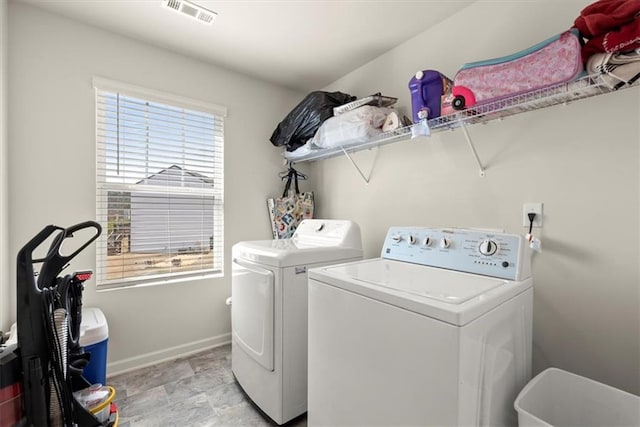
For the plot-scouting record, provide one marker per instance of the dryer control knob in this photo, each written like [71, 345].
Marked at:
[427, 241]
[445, 243]
[488, 247]
[396, 238]
[411, 239]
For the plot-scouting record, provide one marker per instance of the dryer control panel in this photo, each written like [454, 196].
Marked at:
[474, 251]
[327, 232]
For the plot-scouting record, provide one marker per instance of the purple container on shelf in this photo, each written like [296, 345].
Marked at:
[427, 89]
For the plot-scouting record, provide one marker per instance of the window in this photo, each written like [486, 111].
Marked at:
[159, 179]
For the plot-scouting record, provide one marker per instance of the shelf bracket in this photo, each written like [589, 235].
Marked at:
[473, 149]
[355, 165]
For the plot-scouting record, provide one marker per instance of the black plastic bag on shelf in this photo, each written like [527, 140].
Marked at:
[304, 120]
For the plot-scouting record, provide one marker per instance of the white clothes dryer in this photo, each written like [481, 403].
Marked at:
[269, 311]
[435, 332]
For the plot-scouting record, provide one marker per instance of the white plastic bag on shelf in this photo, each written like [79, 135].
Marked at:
[358, 125]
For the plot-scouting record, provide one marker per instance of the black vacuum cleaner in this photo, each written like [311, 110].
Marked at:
[49, 315]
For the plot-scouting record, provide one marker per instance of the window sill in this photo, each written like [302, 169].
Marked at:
[140, 282]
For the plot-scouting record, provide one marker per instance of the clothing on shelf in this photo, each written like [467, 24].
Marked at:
[609, 26]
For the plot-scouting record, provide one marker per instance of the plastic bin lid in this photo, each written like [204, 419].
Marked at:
[93, 328]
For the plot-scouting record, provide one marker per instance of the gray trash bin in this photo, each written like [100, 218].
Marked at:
[559, 398]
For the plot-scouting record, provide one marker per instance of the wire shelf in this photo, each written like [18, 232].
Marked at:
[381, 139]
[564, 93]
[546, 97]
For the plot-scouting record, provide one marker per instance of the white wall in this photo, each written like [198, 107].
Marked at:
[5, 257]
[580, 160]
[52, 167]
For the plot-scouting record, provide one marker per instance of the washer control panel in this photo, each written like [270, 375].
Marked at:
[468, 250]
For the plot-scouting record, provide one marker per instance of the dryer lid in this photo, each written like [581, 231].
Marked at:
[315, 241]
[447, 295]
[286, 253]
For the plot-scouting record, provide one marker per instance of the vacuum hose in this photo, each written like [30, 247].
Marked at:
[61, 323]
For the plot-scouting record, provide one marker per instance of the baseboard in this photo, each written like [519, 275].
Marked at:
[169, 353]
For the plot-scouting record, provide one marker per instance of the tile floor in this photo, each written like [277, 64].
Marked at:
[198, 390]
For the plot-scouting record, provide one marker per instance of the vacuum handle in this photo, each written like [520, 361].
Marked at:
[54, 262]
[81, 226]
[27, 250]
[25, 259]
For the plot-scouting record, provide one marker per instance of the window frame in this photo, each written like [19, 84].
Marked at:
[102, 188]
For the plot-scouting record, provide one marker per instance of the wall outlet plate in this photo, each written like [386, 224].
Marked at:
[528, 208]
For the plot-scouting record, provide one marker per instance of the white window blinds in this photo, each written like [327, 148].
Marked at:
[159, 187]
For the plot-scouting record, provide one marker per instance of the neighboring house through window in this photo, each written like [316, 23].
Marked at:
[159, 175]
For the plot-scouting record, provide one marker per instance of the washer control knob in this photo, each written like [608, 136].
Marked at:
[488, 247]
[445, 243]
[396, 238]
[411, 239]
[427, 241]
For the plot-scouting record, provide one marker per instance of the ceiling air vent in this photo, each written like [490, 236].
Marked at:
[190, 9]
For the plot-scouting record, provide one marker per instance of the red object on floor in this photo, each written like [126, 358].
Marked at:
[10, 388]
[10, 405]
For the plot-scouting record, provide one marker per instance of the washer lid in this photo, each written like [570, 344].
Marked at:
[439, 284]
[446, 295]
[288, 252]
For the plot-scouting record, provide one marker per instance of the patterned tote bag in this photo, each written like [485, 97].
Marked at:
[287, 211]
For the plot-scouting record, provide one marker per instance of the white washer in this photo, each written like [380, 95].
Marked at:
[436, 332]
[269, 311]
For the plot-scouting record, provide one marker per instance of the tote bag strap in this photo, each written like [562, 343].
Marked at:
[292, 176]
[295, 180]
